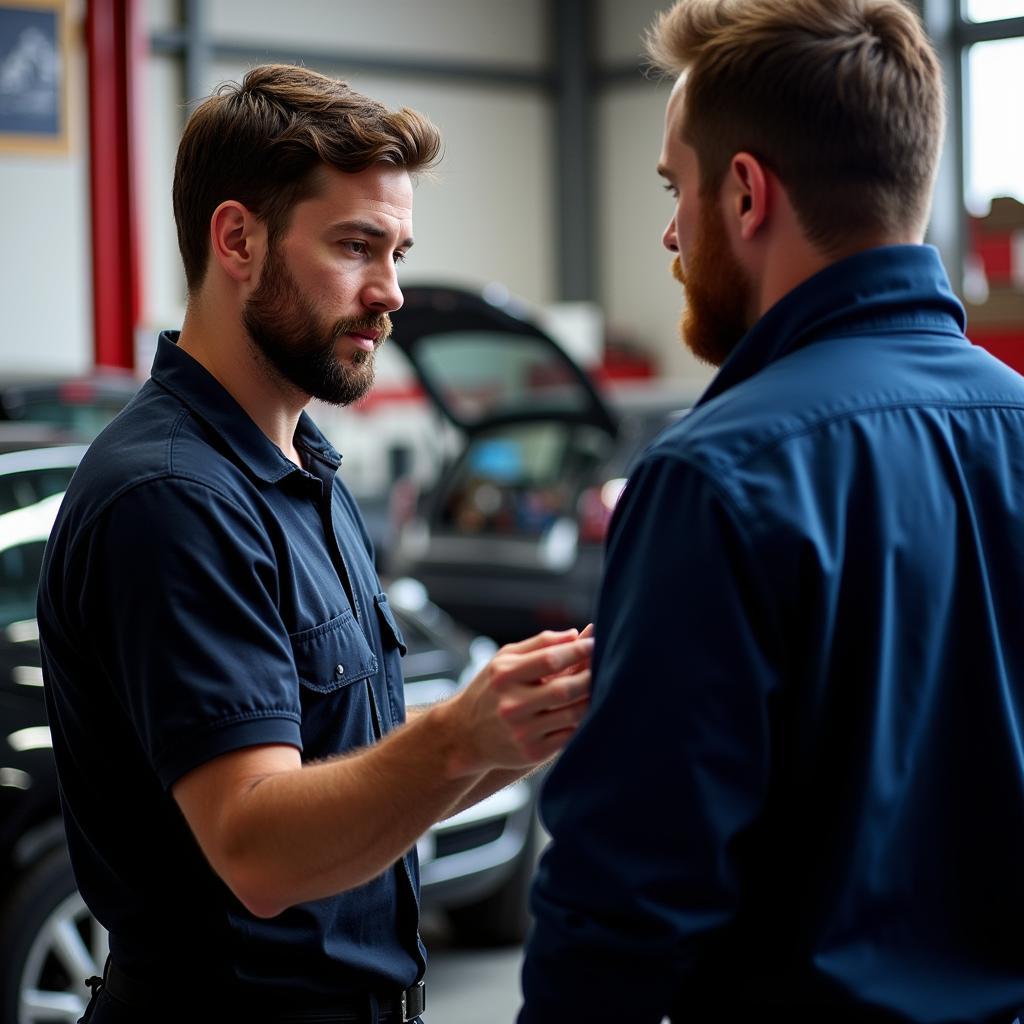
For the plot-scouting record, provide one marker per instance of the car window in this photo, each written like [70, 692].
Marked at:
[20, 565]
[23, 533]
[481, 374]
[27, 487]
[519, 479]
[84, 420]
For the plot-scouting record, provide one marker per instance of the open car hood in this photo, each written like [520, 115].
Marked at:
[483, 362]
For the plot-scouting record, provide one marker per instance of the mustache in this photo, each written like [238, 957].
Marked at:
[676, 269]
[374, 323]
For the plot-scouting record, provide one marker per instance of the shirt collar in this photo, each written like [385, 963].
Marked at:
[878, 289]
[192, 384]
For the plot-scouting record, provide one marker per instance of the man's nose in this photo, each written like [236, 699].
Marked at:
[382, 294]
[668, 238]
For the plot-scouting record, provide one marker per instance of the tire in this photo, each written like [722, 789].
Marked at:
[502, 918]
[49, 945]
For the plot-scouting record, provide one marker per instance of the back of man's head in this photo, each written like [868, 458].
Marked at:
[842, 99]
[261, 143]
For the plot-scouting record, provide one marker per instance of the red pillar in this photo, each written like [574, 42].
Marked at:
[116, 49]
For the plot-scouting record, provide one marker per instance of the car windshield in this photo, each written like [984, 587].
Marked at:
[481, 375]
[519, 479]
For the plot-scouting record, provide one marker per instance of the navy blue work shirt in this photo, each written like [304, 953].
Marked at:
[200, 594]
[799, 791]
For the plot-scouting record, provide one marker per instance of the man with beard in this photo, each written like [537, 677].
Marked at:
[797, 794]
[223, 675]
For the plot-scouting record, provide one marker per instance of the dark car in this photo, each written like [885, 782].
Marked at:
[510, 539]
[476, 866]
[80, 406]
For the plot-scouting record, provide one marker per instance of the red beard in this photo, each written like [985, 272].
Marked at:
[718, 291]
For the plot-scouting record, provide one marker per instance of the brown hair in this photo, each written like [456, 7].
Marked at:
[261, 143]
[842, 99]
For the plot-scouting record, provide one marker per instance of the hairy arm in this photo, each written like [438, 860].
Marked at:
[280, 833]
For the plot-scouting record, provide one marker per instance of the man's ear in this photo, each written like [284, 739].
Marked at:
[749, 194]
[237, 240]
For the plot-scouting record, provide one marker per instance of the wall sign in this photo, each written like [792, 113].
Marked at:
[33, 76]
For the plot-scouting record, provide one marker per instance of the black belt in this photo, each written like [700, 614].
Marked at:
[406, 1006]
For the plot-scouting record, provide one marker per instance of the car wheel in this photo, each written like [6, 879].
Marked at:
[502, 918]
[49, 945]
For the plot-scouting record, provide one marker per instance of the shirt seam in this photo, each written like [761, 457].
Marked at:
[207, 729]
[164, 474]
[868, 330]
[824, 421]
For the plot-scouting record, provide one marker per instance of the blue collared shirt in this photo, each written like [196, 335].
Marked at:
[800, 787]
[200, 594]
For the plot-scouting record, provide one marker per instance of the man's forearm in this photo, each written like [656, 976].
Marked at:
[319, 829]
[490, 783]
[280, 833]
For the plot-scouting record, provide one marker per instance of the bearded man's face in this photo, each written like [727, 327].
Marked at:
[300, 347]
[718, 290]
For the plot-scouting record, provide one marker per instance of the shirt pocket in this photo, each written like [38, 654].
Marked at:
[393, 648]
[333, 654]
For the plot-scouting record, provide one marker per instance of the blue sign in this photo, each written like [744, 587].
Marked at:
[30, 72]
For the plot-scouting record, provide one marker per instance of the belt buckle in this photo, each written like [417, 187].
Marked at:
[419, 1001]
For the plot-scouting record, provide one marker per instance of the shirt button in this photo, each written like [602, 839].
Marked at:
[339, 671]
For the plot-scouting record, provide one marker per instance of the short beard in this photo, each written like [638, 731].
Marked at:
[298, 347]
[718, 290]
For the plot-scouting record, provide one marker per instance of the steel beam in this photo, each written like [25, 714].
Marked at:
[575, 191]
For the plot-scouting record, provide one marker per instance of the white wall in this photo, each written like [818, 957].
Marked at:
[487, 215]
[495, 32]
[639, 296]
[620, 28]
[484, 215]
[45, 290]
[163, 278]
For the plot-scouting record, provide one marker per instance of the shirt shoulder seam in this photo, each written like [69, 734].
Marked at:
[845, 414]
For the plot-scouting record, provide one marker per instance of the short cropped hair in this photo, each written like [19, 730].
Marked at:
[842, 99]
[261, 143]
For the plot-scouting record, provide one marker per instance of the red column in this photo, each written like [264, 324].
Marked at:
[116, 50]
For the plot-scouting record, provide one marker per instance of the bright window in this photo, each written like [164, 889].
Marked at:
[994, 141]
[993, 10]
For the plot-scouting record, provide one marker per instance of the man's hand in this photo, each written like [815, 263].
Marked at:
[523, 706]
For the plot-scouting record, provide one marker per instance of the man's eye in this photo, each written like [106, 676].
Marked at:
[399, 257]
[672, 191]
[358, 247]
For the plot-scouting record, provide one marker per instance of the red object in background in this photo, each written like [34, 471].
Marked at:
[1007, 345]
[996, 255]
[997, 240]
[621, 363]
[997, 324]
[116, 51]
